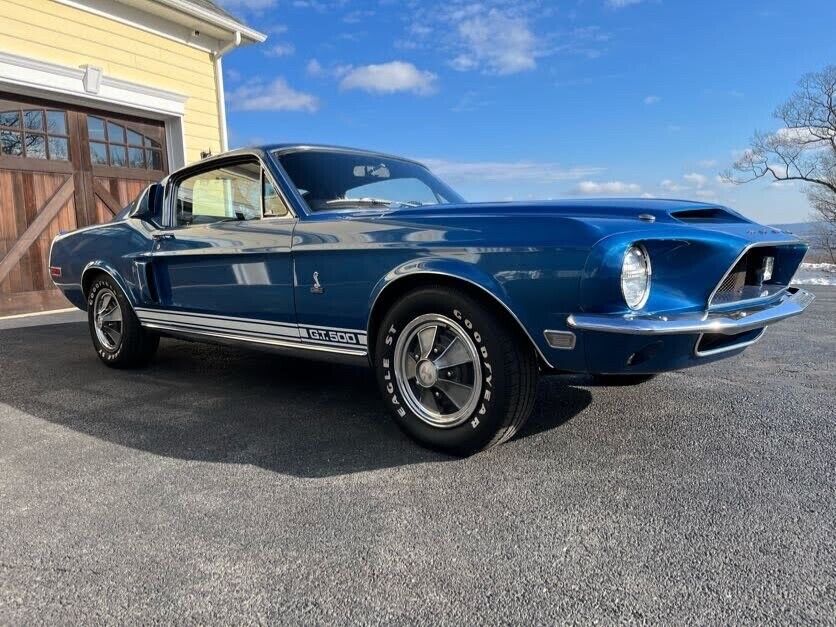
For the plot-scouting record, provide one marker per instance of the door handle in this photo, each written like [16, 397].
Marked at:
[159, 237]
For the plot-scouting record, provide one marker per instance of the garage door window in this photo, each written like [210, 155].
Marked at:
[117, 145]
[34, 133]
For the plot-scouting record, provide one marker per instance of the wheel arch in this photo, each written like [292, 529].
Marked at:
[99, 267]
[398, 283]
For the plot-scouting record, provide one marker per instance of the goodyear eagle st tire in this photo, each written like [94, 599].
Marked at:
[119, 339]
[456, 378]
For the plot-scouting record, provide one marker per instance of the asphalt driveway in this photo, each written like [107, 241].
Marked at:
[220, 485]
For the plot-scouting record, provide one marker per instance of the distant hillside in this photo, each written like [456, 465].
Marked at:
[802, 229]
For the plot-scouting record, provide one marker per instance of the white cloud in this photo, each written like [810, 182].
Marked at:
[499, 171]
[389, 78]
[707, 163]
[620, 4]
[651, 100]
[314, 68]
[357, 16]
[277, 95]
[609, 188]
[810, 135]
[252, 5]
[280, 50]
[671, 186]
[464, 63]
[497, 43]
[695, 179]
[706, 194]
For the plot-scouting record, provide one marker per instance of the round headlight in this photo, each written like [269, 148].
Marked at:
[635, 277]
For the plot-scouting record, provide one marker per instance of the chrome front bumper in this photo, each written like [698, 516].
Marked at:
[791, 303]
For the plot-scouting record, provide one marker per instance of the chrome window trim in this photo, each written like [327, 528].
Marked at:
[742, 254]
[216, 163]
[726, 349]
[284, 150]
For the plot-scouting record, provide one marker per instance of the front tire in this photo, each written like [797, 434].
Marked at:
[455, 376]
[118, 337]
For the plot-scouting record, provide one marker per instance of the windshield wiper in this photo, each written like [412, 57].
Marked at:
[371, 202]
[360, 202]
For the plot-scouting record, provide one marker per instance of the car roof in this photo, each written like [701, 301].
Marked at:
[288, 147]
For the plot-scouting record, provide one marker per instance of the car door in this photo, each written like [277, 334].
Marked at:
[222, 265]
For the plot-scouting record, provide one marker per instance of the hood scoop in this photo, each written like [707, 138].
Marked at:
[707, 215]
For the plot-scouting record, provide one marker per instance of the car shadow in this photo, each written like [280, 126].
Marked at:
[221, 404]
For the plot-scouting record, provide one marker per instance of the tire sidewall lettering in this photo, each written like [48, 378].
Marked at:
[392, 391]
[91, 299]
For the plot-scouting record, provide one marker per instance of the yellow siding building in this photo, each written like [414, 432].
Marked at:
[97, 98]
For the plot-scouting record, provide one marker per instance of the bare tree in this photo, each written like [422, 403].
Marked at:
[804, 149]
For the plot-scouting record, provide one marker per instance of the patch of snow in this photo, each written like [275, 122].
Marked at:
[815, 274]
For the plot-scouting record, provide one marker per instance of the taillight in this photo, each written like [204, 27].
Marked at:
[55, 272]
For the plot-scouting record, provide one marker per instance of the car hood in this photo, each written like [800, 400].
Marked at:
[616, 208]
[607, 216]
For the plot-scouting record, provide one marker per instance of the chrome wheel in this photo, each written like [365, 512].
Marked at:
[438, 370]
[107, 319]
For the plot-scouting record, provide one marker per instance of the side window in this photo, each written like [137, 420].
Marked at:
[231, 192]
[274, 206]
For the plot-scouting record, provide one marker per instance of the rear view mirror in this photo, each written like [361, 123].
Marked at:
[149, 207]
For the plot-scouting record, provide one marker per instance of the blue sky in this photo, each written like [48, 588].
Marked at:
[522, 99]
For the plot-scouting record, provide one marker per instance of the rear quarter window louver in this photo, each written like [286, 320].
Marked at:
[706, 215]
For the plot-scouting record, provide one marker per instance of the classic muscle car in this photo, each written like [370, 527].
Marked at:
[368, 258]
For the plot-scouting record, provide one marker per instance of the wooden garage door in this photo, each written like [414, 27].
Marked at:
[63, 167]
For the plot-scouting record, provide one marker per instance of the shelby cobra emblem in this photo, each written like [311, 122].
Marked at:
[459, 307]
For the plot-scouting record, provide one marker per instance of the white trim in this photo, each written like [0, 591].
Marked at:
[215, 19]
[136, 18]
[40, 78]
[51, 77]
[219, 88]
[184, 22]
[248, 327]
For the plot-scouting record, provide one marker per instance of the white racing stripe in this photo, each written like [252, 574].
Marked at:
[252, 328]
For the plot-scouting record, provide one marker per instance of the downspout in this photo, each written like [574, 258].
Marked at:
[219, 87]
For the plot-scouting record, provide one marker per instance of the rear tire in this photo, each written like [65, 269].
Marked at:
[118, 337]
[455, 376]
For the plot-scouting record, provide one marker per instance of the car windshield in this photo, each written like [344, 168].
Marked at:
[329, 180]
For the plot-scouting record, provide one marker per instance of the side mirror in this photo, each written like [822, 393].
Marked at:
[149, 207]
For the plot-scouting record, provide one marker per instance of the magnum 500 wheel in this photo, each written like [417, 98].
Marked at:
[119, 339]
[455, 377]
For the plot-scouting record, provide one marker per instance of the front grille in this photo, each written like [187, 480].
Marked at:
[760, 272]
[733, 285]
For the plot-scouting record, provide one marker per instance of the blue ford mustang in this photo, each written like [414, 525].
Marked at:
[364, 257]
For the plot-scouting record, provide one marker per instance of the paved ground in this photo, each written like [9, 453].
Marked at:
[226, 486]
